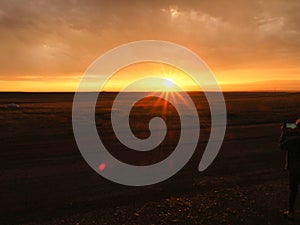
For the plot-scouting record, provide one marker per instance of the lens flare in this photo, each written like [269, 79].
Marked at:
[102, 166]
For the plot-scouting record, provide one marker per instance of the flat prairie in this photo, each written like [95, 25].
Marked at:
[45, 180]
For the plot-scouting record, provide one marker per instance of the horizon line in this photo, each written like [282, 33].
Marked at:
[86, 92]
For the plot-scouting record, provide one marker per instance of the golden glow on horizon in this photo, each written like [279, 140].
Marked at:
[229, 80]
[131, 73]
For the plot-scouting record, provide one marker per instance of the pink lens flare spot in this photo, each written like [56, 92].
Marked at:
[102, 166]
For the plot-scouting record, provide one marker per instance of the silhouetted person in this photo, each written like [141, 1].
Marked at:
[291, 144]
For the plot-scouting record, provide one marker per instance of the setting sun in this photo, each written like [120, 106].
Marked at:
[168, 83]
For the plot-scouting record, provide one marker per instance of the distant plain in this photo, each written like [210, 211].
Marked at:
[45, 180]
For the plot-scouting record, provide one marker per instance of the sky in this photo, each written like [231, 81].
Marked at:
[249, 45]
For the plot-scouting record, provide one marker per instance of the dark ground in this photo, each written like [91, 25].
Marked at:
[45, 180]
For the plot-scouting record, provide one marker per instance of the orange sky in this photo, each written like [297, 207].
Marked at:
[249, 45]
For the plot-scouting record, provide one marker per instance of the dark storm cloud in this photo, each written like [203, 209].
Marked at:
[48, 37]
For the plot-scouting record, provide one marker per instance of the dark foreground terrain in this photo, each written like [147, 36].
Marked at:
[45, 180]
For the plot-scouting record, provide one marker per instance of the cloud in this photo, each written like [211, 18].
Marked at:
[55, 37]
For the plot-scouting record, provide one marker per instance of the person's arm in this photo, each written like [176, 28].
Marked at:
[282, 139]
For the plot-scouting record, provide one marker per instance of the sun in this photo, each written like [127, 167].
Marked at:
[168, 83]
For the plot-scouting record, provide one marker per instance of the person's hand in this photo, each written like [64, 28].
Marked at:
[283, 129]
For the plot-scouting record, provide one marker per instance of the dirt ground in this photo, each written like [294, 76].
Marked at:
[45, 180]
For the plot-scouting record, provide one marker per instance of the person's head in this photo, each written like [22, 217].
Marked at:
[298, 124]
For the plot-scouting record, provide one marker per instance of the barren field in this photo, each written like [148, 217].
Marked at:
[45, 180]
